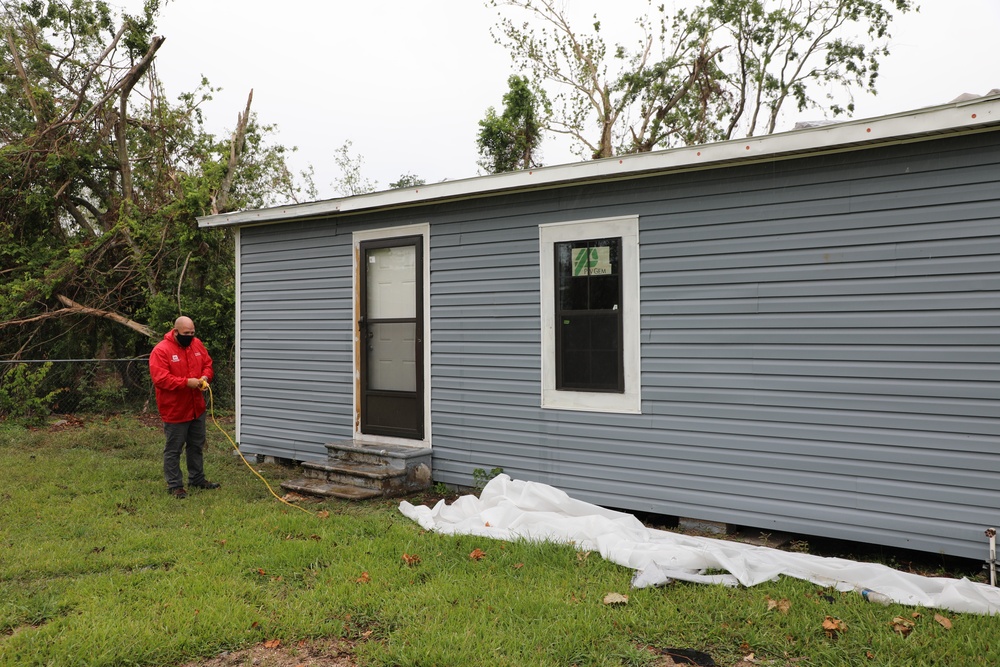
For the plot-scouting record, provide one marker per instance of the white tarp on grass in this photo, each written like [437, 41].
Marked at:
[509, 509]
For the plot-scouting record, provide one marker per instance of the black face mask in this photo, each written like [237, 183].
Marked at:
[184, 340]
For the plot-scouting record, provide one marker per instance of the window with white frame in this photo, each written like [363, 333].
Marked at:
[590, 315]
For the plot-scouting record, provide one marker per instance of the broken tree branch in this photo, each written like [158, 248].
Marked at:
[221, 200]
[180, 281]
[73, 308]
[24, 78]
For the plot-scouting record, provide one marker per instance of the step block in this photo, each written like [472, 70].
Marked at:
[370, 470]
[366, 475]
[322, 488]
[394, 456]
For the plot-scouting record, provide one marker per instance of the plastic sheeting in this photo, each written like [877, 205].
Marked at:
[509, 509]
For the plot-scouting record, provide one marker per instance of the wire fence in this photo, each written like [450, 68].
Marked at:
[93, 386]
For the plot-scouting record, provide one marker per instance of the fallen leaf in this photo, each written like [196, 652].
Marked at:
[411, 559]
[903, 626]
[315, 537]
[615, 599]
[323, 514]
[518, 566]
[488, 524]
[255, 624]
[364, 578]
[832, 626]
[582, 556]
[261, 571]
[272, 643]
[944, 622]
[782, 605]
[477, 554]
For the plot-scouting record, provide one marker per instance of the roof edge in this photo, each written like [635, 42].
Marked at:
[953, 118]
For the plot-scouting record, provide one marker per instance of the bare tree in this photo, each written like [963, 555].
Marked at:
[617, 100]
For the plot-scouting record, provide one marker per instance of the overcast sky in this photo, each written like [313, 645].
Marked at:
[407, 81]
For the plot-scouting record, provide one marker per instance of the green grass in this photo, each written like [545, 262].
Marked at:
[98, 566]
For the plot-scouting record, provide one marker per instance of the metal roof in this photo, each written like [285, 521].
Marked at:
[959, 117]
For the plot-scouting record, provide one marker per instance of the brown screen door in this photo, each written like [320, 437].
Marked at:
[391, 332]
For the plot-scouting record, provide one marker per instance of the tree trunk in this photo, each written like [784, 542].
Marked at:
[221, 200]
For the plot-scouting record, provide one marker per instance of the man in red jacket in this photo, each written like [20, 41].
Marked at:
[180, 367]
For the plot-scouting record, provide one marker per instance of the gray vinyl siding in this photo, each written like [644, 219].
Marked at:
[820, 344]
[295, 339]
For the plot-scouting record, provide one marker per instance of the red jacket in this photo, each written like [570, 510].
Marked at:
[170, 366]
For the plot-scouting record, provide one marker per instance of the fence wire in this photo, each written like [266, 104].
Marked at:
[106, 386]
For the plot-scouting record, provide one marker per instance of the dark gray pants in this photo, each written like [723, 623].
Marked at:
[192, 434]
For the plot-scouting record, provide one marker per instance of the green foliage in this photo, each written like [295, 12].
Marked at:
[610, 98]
[481, 478]
[407, 181]
[101, 183]
[780, 51]
[351, 181]
[22, 399]
[510, 141]
[723, 68]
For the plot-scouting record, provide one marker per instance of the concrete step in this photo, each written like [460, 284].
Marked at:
[395, 456]
[365, 475]
[356, 471]
[322, 488]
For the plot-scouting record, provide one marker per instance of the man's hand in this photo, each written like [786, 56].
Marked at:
[194, 383]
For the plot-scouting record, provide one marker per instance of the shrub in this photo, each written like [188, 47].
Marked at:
[21, 399]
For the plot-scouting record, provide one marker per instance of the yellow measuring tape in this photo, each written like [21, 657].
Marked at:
[211, 411]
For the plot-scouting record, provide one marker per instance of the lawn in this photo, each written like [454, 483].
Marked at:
[99, 566]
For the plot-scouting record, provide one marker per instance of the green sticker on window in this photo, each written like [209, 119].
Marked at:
[593, 261]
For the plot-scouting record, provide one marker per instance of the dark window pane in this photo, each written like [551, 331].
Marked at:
[604, 333]
[576, 369]
[603, 370]
[590, 352]
[589, 315]
[605, 292]
[576, 333]
[573, 290]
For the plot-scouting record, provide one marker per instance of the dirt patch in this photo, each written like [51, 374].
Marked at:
[63, 423]
[305, 653]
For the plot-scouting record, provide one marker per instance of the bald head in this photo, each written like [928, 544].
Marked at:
[183, 331]
[184, 325]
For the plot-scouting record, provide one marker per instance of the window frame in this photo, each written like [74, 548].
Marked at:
[627, 229]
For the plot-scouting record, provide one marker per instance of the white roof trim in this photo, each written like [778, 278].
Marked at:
[960, 117]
